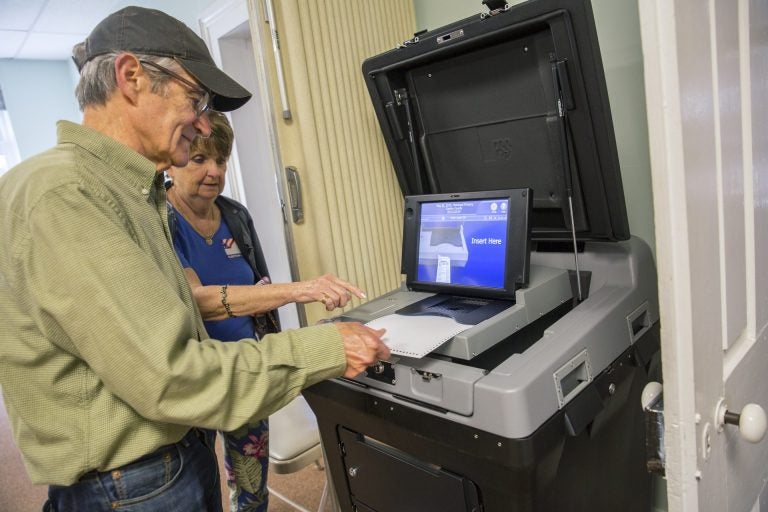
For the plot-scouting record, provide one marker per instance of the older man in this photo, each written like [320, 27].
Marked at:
[105, 364]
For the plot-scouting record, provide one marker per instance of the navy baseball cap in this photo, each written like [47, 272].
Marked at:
[152, 32]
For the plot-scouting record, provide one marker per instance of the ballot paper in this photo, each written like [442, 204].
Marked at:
[416, 335]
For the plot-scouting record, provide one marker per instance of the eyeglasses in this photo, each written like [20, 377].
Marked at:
[201, 104]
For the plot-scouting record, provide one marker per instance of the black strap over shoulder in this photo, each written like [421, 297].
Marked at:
[241, 225]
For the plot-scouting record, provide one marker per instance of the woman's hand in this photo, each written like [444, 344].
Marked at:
[329, 289]
[244, 300]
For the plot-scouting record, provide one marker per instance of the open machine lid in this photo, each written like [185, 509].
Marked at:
[513, 99]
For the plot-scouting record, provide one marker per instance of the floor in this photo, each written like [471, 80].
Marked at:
[18, 494]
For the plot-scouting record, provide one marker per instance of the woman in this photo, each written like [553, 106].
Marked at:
[216, 243]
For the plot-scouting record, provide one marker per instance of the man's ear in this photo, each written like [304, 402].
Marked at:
[130, 76]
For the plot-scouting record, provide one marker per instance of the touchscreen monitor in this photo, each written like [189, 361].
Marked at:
[473, 244]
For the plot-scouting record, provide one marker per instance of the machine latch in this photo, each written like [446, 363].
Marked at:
[450, 36]
[411, 41]
[382, 371]
[425, 375]
[494, 7]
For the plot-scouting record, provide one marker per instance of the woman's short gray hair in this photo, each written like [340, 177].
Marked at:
[98, 80]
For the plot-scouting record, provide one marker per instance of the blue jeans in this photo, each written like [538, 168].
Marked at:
[179, 477]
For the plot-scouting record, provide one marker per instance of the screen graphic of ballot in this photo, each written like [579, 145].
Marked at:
[443, 243]
[443, 269]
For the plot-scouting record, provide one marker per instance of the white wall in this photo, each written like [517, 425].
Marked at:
[618, 30]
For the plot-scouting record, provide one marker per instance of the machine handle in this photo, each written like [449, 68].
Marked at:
[649, 394]
[751, 421]
[653, 410]
[294, 192]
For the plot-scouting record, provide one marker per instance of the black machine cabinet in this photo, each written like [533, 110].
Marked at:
[537, 408]
[397, 481]
[383, 455]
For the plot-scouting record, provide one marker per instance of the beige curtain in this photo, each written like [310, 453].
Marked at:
[352, 202]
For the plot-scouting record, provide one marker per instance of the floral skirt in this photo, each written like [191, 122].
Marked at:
[246, 460]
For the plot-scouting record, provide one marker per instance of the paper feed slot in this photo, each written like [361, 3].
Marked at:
[548, 289]
[416, 336]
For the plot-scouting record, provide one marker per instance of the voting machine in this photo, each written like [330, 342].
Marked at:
[527, 323]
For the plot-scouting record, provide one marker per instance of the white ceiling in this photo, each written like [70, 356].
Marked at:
[48, 29]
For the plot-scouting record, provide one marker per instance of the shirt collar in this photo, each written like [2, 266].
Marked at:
[122, 162]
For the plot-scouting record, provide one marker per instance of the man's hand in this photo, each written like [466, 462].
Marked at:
[362, 345]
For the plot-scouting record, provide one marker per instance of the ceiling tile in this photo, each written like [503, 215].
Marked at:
[10, 43]
[19, 14]
[68, 17]
[64, 23]
[49, 46]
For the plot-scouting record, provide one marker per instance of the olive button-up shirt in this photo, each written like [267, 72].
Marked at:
[103, 354]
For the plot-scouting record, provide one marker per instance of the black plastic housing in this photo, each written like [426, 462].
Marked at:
[517, 251]
[514, 100]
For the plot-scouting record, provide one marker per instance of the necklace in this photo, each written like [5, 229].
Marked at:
[211, 218]
[209, 238]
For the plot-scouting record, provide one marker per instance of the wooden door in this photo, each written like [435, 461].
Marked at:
[706, 72]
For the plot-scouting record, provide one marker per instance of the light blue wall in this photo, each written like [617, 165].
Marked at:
[37, 93]
[618, 30]
[431, 14]
[40, 92]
